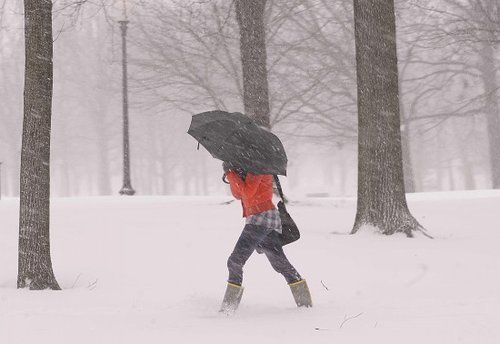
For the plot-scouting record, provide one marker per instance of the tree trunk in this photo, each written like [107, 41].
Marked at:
[467, 167]
[409, 178]
[35, 266]
[166, 172]
[343, 170]
[451, 176]
[250, 16]
[440, 165]
[492, 108]
[381, 193]
[104, 184]
[102, 147]
[467, 170]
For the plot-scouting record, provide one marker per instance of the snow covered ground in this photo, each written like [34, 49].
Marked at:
[153, 270]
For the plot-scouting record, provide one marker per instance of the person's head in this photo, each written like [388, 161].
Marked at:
[231, 166]
[241, 172]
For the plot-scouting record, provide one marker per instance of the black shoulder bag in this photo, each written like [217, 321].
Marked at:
[290, 231]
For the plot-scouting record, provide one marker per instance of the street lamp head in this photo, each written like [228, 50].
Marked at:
[123, 25]
[123, 22]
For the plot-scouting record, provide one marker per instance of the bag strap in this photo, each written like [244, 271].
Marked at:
[278, 186]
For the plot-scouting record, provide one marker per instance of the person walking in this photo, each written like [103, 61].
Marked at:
[262, 232]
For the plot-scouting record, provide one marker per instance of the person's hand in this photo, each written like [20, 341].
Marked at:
[241, 172]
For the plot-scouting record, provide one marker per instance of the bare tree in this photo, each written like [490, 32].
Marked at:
[469, 31]
[381, 193]
[315, 55]
[185, 55]
[35, 265]
[188, 59]
[2, 9]
[11, 74]
[486, 16]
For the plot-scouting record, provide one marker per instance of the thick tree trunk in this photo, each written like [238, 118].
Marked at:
[250, 16]
[381, 192]
[35, 266]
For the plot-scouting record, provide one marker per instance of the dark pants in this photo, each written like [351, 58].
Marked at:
[269, 241]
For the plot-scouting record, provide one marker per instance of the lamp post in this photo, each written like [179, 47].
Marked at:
[127, 186]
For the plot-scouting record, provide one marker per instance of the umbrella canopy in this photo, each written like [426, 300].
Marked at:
[236, 139]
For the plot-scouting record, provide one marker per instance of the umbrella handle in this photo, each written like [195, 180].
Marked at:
[278, 186]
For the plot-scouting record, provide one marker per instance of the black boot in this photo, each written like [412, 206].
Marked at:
[232, 298]
[301, 294]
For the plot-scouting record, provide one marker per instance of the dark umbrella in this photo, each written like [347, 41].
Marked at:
[236, 139]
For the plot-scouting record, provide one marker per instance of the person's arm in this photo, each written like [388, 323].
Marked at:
[247, 188]
[252, 183]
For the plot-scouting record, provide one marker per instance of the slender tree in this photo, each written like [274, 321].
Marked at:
[487, 14]
[472, 28]
[250, 17]
[35, 266]
[381, 191]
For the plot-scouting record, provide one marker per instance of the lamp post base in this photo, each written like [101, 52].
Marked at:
[127, 190]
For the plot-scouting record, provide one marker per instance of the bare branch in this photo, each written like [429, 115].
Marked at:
[346, 319]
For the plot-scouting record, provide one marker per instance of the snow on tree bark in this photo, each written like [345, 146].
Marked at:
[35, 266]
[250, 17]
[381, 192]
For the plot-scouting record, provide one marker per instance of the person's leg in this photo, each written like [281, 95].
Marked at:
[249, 239]
[273, 249]
[232, 298]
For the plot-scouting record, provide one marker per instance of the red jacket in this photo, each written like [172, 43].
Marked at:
[255, 192]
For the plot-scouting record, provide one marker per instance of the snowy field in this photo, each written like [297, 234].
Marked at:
[153, 270]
